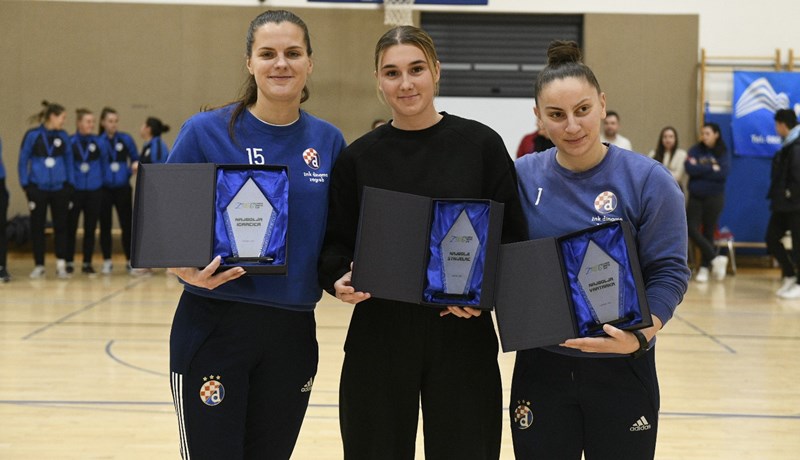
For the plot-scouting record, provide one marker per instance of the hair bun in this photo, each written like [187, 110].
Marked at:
[563, 52]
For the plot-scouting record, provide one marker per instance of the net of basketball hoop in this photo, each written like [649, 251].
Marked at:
[398, 12]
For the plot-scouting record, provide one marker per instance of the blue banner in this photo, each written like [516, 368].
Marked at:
[756, 98]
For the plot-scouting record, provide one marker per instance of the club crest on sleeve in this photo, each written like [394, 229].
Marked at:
[605, 202]
[523, 415]
[311, 157]
[212, 392]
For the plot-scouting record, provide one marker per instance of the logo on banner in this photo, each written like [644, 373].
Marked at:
[212, 392]
[760, 95]
[756, 98]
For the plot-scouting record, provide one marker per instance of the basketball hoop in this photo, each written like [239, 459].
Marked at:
[398, 12]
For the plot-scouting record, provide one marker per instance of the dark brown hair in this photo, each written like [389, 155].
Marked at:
[156, 126]
[48, 109]
[564, 60]
[249, 92]
[103, 114]
[660, 150]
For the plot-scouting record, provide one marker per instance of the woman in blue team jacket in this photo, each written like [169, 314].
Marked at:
[90, 161]
[45, 172]
[4, 276]
[707, 165]
[154, 149]
[123, 158]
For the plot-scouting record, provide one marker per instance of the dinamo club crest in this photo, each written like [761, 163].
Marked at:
[212, 392]
[311, 157]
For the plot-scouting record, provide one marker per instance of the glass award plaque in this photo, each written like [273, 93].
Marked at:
[459, 249]
[249, 220]
[599, 281]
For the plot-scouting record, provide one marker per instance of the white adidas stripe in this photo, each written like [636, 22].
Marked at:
[177, 399]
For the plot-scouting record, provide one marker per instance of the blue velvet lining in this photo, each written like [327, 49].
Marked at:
[275, 186]
[611, 240]
[445, 214]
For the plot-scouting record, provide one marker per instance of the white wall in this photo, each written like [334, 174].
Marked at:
[512, 118]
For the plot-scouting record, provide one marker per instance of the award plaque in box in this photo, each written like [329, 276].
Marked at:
[251, 217]
[602, 280]
[554, 289]
[441, 252]
[455, 268]
[185, 214]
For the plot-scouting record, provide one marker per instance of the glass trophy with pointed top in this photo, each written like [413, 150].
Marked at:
[605, 279]
[249, 220]
[599, 281]
[459, 250]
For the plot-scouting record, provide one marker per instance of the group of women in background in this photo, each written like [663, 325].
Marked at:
[248, 343]
[85, 174]
[701, 173]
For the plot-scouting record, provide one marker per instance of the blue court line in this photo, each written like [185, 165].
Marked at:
[84, 309]
[706, 334]
[126, 364]
[331, 406]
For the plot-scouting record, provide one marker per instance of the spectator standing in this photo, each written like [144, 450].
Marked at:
[123, 158]
[45, 173]
[4, 276]
[611, 133]
[784, 196]
[707, 164]
[154, 150]
[668, 153]
[90, 161]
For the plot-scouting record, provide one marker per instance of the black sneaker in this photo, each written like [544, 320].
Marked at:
[70, 268]
[88, 270]
[4, 276]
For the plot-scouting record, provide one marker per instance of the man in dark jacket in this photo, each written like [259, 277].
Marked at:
[784, 194]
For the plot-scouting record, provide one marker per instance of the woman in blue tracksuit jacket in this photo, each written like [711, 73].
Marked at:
[45, 172]
[123, 157]
[707, 165]
[4, 276]
[154, 150]
[90, 161]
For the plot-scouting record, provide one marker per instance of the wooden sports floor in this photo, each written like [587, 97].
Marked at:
[84, 370]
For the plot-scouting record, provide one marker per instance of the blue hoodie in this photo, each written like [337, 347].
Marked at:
[90, 161]
[122, 153]
[45, 159]
[623, 186]
[155, 151]
[308, 147]
[704, 179]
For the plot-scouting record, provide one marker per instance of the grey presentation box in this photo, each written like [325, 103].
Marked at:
[391, 256]
[534, 305]
[173, 217]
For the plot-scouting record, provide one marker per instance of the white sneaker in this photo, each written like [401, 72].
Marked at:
[107, 267]
[38, 272]
[702, 275]
[786, 283]
[719, 267]
[791, 293]
[61, 269]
